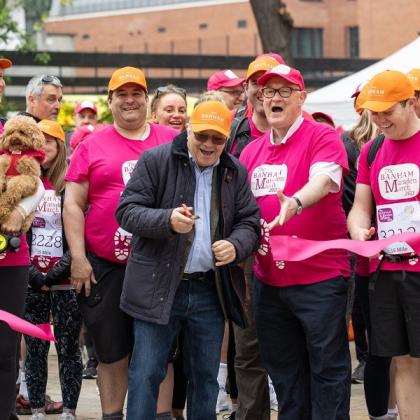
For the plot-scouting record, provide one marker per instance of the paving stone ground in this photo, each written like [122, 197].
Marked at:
[89, 406]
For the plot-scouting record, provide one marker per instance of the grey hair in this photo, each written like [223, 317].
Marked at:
[35, 86]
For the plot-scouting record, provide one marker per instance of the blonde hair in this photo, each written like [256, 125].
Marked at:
[364, 130]
[210, 95]
[56, 172]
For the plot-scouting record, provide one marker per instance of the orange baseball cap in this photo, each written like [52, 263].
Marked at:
[211, 115]
[127, 75]
[262, 63]
[387, 89]
[360, 96]
[52, 128]
[414, 76]
[5, 63]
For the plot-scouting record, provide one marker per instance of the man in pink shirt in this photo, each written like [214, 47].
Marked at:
[231, 87]
[295, 170]
[388, 187]
[99, 170]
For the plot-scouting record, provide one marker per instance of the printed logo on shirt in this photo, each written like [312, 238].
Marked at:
[127, 169]
[122, 241]
[398, 182]
[268, 179]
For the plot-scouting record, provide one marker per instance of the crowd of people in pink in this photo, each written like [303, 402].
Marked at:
[147, 246]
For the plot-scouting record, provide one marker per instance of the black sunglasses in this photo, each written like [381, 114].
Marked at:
[170, 89]
[51, 80]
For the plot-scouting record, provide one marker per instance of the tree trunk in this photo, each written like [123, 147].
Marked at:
[274, 25]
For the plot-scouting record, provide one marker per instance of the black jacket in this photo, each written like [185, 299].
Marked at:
[163, 179]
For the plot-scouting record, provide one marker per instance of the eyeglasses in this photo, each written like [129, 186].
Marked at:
[51, 80]
[235, 93]
[217, 140]
[170, 89]
[284, 92]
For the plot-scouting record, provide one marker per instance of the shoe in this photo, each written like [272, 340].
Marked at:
[38, 416]
[357, 377]
[53, 407]
[179, 418]
[231, 416]
[222, 401]
[273, 397]
[67, 416]
[23, 407]
[89, 372]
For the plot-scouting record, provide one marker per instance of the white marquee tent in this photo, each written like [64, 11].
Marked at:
[335, 99]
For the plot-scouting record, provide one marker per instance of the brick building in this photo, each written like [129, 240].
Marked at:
[323, 28]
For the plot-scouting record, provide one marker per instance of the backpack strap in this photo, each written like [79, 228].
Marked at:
[374, 148]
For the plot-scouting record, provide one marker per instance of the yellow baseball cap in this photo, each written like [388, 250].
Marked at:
[127, 75]
[211, 115]
[414, 76]
[387, 89]
[52, 128]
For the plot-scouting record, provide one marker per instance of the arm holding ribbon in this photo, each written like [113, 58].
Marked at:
[359, 222]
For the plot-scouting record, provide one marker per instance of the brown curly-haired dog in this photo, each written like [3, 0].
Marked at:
[21, 154]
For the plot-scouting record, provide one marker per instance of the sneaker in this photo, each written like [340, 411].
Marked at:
[273, 397]
[222, 401]
[231, 416]
[38, 416]
[357, 377]
[67, 416]
[89, 372]
[23, 407]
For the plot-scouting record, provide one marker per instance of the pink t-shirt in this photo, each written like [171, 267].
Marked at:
[106, 160]
[286, 167]
[394, 179]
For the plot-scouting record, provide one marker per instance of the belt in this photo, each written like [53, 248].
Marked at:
[199, 275]
[397, 258]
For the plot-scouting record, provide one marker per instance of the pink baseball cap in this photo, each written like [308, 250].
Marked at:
[224, 78]
[287, 73]
[276, 57]
[324, 116]
[85, 105]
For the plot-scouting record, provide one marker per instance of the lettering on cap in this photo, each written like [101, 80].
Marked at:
[213, 116]
[128, 76]
[376, 91]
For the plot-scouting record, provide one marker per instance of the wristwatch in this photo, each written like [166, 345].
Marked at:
[299, 206]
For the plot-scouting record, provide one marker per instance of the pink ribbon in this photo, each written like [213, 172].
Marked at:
[291, 248]
[42, 331]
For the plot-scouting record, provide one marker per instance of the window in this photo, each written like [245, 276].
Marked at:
[203, 25]
[352, 39]
[242, 23]
[307, 42]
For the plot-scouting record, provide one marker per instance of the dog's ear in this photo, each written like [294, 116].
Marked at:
[3, 142]
[38, 139]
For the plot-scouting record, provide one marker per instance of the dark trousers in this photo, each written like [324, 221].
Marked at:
[304, 347]
[376, 381]
[13, 285]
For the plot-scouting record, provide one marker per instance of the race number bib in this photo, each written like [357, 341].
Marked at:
[396, 218]
[47, 239]
[268, 179]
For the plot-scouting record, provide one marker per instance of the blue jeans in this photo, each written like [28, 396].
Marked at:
[196, 309]
[304, 347]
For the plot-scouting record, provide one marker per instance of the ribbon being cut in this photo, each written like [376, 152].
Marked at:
[291, 248]
[42, 331]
